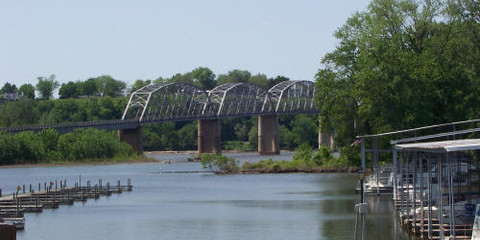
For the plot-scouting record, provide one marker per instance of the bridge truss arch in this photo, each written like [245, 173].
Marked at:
[293, 97]
[176, 101]
[236, 99]
[165, 102]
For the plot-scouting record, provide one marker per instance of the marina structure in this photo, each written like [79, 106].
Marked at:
[433, 176]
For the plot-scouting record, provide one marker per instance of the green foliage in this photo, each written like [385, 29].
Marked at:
[204, 77]
[139, 83]
[69, 90]
[27, 90]
[237, 145]
[218, 163]
[8, 88]
[401, 64]
[49, 146]
[46, 86]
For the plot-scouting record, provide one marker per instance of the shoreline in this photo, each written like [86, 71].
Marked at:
[73, 164]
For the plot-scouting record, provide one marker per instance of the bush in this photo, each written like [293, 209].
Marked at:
[49, 146]
[218, 163]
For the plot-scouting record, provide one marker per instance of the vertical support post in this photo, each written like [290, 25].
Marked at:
[209, 136]
[414, 197]
[395, 172]
[451, 196]
[268, 135]
[430, 192]
[422, 214]
[440, 197]
[133, 137]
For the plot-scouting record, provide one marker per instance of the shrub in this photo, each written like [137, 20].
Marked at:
[218, 163]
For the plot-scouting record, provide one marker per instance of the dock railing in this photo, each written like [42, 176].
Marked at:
[410, 192]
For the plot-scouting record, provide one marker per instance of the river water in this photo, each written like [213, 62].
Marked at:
[181, 201]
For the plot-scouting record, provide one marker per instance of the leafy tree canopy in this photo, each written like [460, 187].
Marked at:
[402, 64]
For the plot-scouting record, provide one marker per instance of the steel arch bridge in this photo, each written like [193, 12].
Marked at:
[176, 101]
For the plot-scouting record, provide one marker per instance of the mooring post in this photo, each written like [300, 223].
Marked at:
[23, 188]
[56, 186]
[65, 183]
[39, 188]
[129, 184]
[45, 186]
[100, 183]
[30, 189]
[118, 186]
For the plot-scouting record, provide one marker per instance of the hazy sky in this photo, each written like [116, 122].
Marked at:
[146, 39]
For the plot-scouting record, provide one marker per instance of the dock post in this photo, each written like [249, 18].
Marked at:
[45, 186]
[30, 188]
[118, 186]
[108, 189]
[100, 183]
[56, 186]
[23, 189]
[129, 184]
[65, 183]
[88, 183]
[39, 188]
[0, 192]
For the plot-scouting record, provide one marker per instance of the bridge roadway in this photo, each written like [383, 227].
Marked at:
[183, 102]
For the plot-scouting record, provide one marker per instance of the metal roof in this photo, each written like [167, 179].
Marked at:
[441, 146]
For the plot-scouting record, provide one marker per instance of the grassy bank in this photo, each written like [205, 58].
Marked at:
[305, 159]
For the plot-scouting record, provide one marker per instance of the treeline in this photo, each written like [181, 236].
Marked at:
[402, 64]
[49, 146]
[106, 85]
[103, 85]
[236, 133]
[28, 111]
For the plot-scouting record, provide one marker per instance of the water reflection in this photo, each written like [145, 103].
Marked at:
[204, 206]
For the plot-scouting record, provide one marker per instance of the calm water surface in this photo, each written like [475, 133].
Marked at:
[168, 203]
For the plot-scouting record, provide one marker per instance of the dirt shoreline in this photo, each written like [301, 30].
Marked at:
[67, 164]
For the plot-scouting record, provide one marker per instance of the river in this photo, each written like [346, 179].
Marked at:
[181, 201]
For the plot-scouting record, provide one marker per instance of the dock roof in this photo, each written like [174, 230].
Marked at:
[441, 146]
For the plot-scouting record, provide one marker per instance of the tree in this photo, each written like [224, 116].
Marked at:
[69, 90]
[108, 86]
[278, 79]
[8, 88]
[27, 90]
[401, 64]
[204, 77]
[139, 83]
[235, 76]
[186, 78]
[88, 88]
[46, 86]
[260, 80]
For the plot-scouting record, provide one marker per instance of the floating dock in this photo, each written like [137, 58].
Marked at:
[13, 206]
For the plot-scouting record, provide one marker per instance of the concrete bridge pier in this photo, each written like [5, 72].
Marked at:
[325, 137]
[132, 137]
[268, 135]
[209, 136]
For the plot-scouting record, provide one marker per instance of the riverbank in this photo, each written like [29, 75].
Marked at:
[346, 169]
[132, 160]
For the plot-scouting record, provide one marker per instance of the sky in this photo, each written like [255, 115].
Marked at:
[147, 39]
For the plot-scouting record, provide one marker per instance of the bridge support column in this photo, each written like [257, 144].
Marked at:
[209, 136]
[325, 138]
[132, 137]
[268, 135]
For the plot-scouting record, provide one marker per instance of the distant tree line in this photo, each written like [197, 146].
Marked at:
[236, 133]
